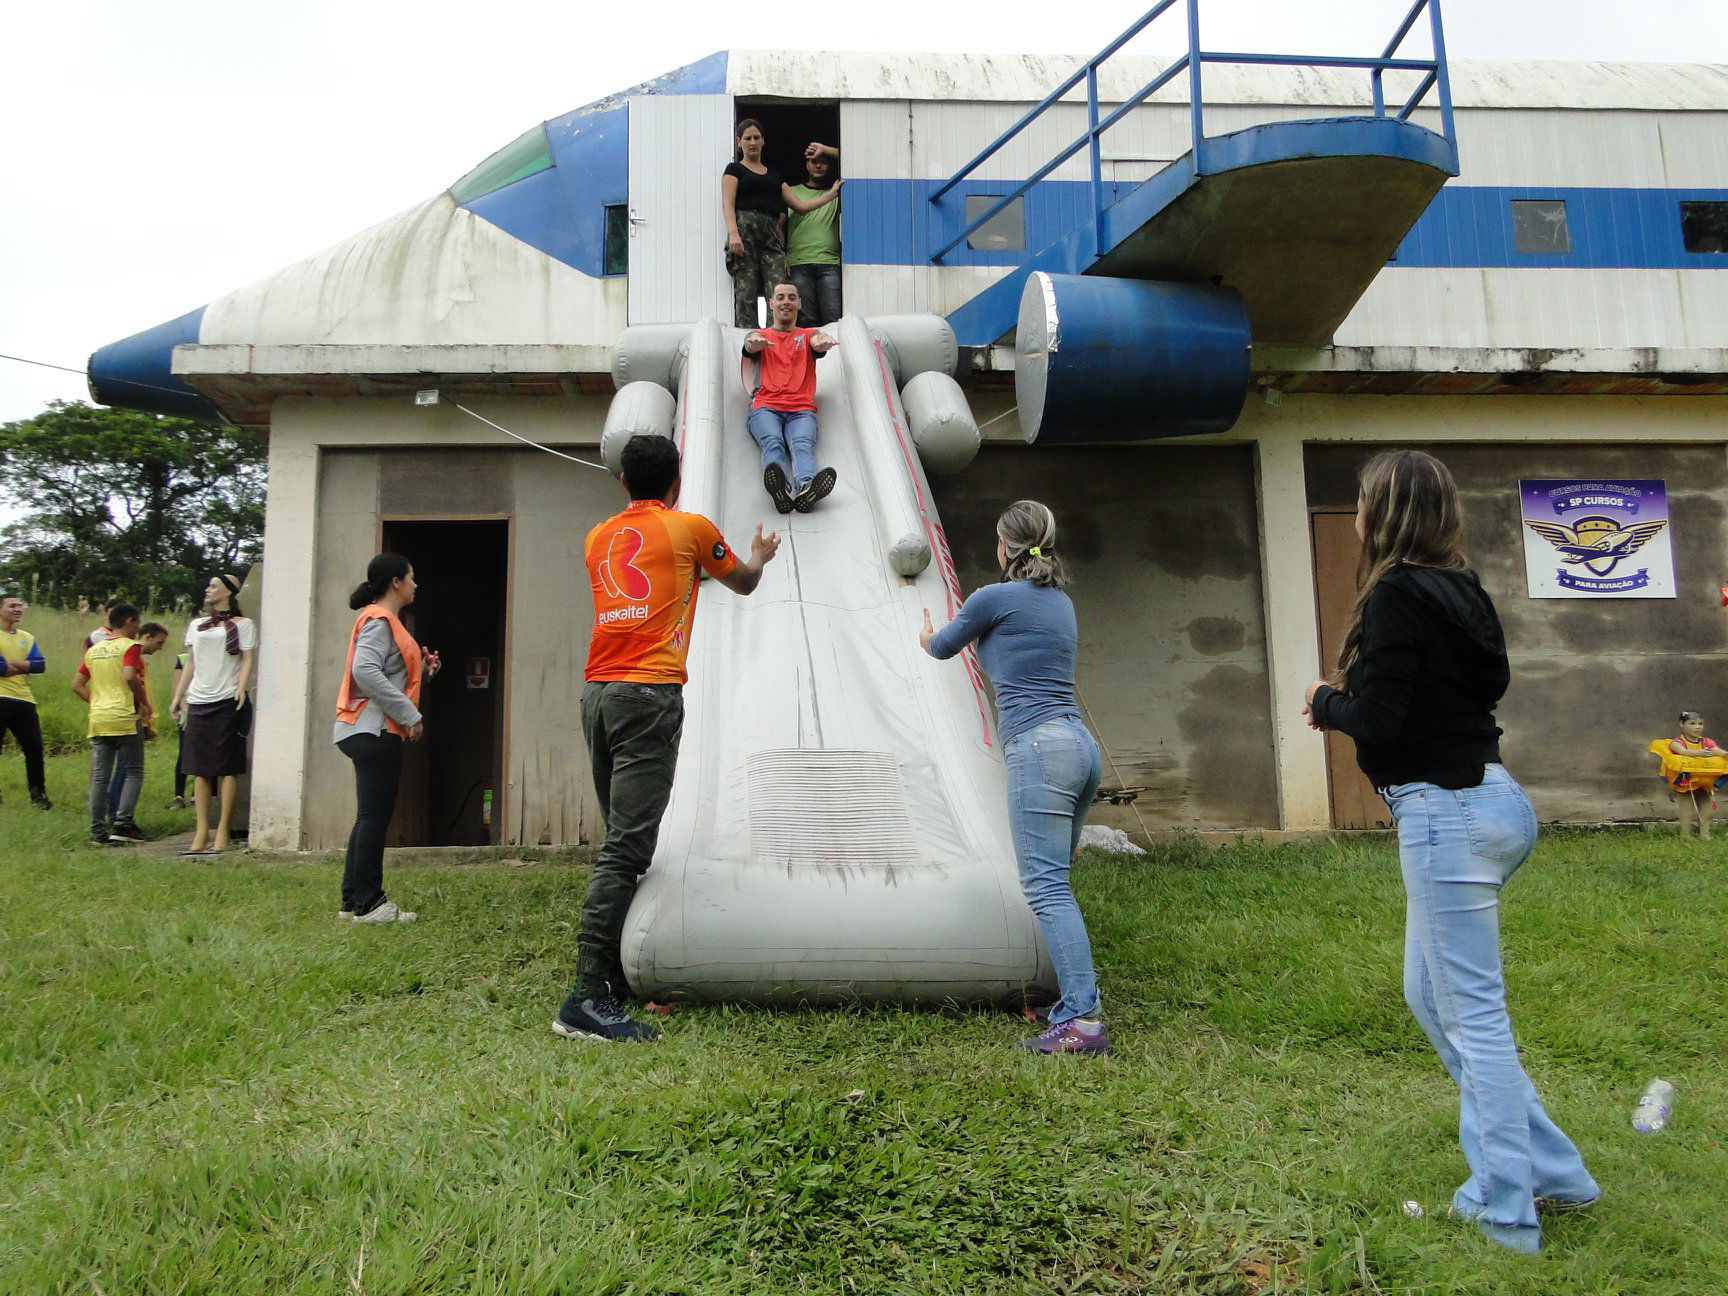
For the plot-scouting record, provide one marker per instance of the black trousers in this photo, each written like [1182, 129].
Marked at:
[377, 774]
[18, 718]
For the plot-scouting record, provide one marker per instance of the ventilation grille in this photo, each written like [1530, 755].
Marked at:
[840, 809]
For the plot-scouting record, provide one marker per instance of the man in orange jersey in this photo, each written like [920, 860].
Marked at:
[642, 564]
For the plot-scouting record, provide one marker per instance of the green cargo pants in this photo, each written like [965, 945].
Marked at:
[632, 732]
[758, 269]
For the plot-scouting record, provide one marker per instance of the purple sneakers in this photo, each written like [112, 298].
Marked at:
[1073, 1036]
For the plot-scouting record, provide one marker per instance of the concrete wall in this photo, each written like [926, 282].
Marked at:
[1524, 430]
[1164, 551]
[548, 796]
[1592, 682]
[337, 468]
[1194, 585]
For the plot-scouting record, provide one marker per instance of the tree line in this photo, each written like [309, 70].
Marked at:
[122, 504]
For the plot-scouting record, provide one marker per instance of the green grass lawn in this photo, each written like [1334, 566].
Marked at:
[210, 1085]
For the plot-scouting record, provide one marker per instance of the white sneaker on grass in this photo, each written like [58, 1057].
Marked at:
[384, 913]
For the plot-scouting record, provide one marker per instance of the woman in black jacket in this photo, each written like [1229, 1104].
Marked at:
[1423, 664]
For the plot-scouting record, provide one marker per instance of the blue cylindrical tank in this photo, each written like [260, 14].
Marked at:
[1099, 359]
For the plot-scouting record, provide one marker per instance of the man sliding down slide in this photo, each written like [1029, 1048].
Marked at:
[783, 413]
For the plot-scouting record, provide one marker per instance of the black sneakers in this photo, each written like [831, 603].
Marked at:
[597, 1016]
[779, 489]
[815, 490]
[125, 833]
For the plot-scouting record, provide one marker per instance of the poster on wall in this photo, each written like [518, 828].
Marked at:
[1597, 539]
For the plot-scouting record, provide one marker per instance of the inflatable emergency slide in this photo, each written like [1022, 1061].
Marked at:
[838, 828]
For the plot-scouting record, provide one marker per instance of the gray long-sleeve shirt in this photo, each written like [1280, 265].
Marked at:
[381, 677]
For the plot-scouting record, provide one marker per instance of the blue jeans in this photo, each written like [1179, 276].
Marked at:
[1456, 850]
[776, 431]
[127, 752]
[1053, 772]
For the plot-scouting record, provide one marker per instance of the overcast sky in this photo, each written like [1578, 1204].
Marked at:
[159, 153]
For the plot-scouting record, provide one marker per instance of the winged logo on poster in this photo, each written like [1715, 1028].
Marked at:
[1597, 543]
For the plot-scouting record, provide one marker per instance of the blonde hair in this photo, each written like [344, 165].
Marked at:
[1028, 528]
[1410, 514]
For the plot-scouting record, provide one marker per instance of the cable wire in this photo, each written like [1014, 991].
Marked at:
[586, 463]
[117, 382]
[1103, 747]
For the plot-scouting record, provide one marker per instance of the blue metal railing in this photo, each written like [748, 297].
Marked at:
[1191, 63]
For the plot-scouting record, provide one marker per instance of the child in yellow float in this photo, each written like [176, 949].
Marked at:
[1692, 765]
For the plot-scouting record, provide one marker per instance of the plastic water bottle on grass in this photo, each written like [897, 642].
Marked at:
[1651, 1114]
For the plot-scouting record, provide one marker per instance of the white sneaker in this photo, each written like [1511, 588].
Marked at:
[385, 913]
[346, 915]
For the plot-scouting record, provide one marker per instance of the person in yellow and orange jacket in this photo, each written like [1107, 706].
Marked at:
[111, 680]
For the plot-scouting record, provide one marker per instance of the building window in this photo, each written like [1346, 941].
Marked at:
[617, 240]
[1539, 225]
[1003, 232]
[1704, 226]
[522, 157]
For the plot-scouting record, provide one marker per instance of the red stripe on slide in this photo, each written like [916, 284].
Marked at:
[938, 544]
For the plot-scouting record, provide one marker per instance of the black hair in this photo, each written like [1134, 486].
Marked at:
[8, 594]
[650, 466]
[743, 125]
[152, 628]
[1690, 715]
[119, 614]
[380, 573]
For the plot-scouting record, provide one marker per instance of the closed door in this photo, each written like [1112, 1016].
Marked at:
[1355, 803]
[679, 144]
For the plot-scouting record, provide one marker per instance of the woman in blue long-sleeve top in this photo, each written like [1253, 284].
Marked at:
[1026, 634]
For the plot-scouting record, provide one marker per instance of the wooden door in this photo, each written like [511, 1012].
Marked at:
[1355, 803]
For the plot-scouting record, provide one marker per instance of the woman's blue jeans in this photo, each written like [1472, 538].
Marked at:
[1456, 849]
[1053, 772]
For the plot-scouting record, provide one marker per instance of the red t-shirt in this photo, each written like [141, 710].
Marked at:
[788, 372]
[642, 563]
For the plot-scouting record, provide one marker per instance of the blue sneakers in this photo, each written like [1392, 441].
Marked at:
[597, 1016]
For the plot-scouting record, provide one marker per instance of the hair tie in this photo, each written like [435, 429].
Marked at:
[1035, 551]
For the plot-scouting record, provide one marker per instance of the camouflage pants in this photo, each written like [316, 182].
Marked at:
[759, 268]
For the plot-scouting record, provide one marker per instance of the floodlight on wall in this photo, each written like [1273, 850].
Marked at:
[427, 396]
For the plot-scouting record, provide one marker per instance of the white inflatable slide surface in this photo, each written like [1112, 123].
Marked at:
[838, 828]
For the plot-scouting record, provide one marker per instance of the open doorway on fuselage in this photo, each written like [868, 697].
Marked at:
[788, 128]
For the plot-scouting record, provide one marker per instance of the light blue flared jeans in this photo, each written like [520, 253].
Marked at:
[1053, 772]
[1456, 849]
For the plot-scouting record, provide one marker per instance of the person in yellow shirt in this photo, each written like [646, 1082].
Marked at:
[151, 636]
[20, 658]
[111, 680]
